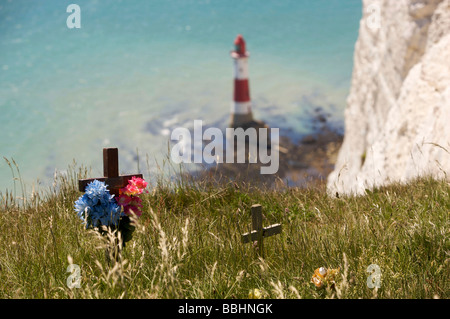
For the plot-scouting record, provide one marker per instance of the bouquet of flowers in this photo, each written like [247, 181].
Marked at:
[129, 196]
[131, 204]
[97, 207]
[323, 277]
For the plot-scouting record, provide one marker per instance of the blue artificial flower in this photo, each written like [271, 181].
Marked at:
[97, 206]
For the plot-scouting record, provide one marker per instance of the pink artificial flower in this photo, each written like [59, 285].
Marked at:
[128, 196]
[132, 190]
[136, 201]
[139, 182]
[123, 200]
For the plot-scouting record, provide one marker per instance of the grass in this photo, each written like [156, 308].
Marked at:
[187, 243]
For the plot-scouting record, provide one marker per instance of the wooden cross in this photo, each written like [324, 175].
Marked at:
[259, 232]
[112, 179]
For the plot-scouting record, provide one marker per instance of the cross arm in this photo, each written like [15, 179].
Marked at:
[267, 232]
[112, 182]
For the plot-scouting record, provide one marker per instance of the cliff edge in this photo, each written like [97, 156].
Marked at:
[397, 119]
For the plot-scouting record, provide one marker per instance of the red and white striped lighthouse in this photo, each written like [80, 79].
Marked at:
[241, 109]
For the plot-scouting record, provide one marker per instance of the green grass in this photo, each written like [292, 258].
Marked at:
[187, 243]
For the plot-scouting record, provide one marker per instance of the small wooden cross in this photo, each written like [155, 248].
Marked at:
[258, 233]
[112, 179]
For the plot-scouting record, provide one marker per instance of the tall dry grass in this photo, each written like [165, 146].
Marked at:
[187, 243]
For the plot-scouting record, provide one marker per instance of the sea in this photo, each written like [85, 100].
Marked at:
[135, 70]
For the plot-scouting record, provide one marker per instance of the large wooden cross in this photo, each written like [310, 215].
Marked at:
[259, 232]
[111, 177]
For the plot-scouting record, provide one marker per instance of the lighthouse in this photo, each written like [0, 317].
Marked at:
[241, 108]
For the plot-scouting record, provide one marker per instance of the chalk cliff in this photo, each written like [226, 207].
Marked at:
[397, 119]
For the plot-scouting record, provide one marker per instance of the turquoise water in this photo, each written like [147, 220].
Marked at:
[138, 69]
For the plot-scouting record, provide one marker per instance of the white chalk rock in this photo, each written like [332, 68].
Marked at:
[398, 108]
